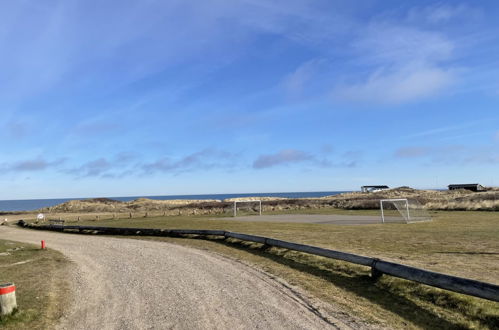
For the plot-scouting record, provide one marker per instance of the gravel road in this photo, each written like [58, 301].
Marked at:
[135, 284]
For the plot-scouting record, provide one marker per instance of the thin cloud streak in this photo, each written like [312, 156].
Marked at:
[31, 165]
[446, 129]
[400, 86]
[202, 160]
[407, 61]
[95, 167]
[287, 156]
[451, 154]
[118, 166]
[443, 13]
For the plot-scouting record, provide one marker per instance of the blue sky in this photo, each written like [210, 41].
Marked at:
[116, 98]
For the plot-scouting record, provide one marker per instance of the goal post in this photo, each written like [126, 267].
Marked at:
[259, 202]
[403, 209]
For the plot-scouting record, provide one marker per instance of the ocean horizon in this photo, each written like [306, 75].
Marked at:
[34, 204]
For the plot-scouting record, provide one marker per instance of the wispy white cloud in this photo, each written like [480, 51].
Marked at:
[412, 152]
[439, 13]
[404, 55]
[126, 164]
[96, 167]
[58, 49]
[125, 157]
[296, 82]
[406, 64]
[30, 165]
[200, 160]
[439, 130]
[96, 128]
[294, 156]
[398, 86]
[119, 165]
[453, 128]
[451, 154]
[287, 156]
[395, 44]
[18, 129]
[302, 22]
[327, 148]
[65, 40]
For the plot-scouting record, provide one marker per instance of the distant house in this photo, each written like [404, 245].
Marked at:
[366, 189]
[467, 186]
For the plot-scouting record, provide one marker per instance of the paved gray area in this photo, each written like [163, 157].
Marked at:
[316, 218]
[136, 284]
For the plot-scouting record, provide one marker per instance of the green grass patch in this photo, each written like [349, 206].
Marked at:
[41, 284]
[457, 243]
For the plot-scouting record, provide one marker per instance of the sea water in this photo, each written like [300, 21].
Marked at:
[33, 204]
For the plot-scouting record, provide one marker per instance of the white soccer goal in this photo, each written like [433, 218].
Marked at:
[258, 202]
[403, 209]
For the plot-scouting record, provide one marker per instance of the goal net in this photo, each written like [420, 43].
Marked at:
[403, 210]
[252, 207]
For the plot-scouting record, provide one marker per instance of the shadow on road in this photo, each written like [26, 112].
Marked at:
[394, 295]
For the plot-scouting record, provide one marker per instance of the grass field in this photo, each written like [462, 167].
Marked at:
[458, 243]
[41, 284]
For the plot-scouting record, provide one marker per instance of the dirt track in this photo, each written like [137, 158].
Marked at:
[136, 284]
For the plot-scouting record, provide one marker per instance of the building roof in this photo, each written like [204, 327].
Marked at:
[464, 185]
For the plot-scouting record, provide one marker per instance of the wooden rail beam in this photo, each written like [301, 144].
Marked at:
[452, 283]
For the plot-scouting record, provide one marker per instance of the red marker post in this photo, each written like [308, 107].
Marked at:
[43, 245]
[7, 298]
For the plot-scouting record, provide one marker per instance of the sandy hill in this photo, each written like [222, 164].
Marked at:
[110, 205]
[431, 199]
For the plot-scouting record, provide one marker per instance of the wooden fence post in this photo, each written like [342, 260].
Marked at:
[375, 274]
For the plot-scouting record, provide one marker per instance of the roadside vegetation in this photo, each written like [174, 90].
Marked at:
[42, 286]
[460, 243]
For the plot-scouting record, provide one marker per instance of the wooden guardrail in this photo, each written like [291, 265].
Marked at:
[378, 267]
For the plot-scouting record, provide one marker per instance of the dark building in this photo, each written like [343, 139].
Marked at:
[467, 186]
[373, 188]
